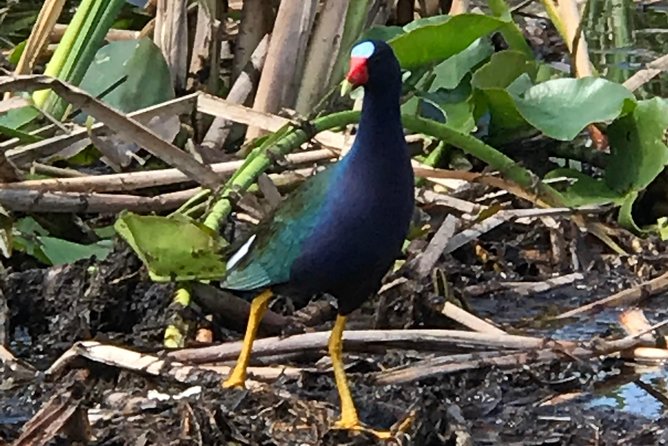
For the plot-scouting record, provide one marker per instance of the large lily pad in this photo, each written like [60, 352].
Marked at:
[441, 37]
[562, 108]
[129, 75]
[174, 248]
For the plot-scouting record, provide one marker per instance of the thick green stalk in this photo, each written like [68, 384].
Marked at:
[261, 160]
[77, 49]
[621, 34]
[495, 159]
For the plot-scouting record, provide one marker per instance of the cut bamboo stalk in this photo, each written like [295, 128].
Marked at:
[319, 61]
[39, 36]
[568, 10]
[276, 83]
[138, 180]
[206, 47]
[215, 137]
[171, 36]
[256, 18]
[629, 296]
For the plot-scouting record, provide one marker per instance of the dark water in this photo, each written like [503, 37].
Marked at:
[623, 36]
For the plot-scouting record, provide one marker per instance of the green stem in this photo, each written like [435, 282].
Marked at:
[555, 18]
[262, 159]
[510, 31]
[77, 49]
[433, 159]
[495, 159]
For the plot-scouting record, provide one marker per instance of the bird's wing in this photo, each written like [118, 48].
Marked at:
[267, 257]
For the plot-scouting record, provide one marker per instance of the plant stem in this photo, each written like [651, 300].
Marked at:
[77, 49]
[555, 18]
[510, 31]
[260, 159]
[495, 159]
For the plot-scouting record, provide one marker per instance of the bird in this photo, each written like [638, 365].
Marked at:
[343, 228]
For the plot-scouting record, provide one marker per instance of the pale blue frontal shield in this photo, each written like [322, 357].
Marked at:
[364, 49]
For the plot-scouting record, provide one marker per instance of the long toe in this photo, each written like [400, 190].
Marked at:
[355, 425]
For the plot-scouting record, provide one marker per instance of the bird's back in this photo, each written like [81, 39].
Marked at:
[343, 229]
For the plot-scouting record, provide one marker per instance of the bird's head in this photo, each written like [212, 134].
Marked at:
[371, 61]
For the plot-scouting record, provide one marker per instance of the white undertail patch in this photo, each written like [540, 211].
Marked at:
[241, 252]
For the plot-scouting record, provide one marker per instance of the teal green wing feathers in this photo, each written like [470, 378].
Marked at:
[266, 257]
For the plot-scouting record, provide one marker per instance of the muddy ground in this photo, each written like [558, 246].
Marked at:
[45, 310]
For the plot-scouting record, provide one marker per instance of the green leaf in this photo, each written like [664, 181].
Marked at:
[174, 248]
[507, 72]
[502, 69]
[129, 75]
[662, 227]
[451, 71]
[30, 237]
[424, 21]
[561, 108]
[441, 37]
[16, 53]
[59, 251]
[384, 33]
[16, 118]
[625, 216]
[638, 146]
[456, 105]
[585, 190]
[25, 138]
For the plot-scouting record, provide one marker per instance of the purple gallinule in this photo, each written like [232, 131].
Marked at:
[341, 230]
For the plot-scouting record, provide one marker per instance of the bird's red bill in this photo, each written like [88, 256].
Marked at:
[358, 74]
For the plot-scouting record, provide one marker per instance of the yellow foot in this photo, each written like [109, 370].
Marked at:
[234, 382]
[355, 425]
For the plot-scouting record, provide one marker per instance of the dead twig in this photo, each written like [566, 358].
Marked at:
[436, 246]
[363, 340]
[469, 320]
[502, 359]
[651, 70]
[138, 180]
[66, 202]
[222, 108]
[631, 296]
[154, 365]
[635, 324]
[234, 310]
[23, 156]
[118, 122]
[524, 288]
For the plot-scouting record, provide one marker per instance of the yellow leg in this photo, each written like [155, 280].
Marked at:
[258, 307]
[349, 419]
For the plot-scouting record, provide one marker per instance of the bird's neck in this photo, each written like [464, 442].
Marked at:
[380, 133]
